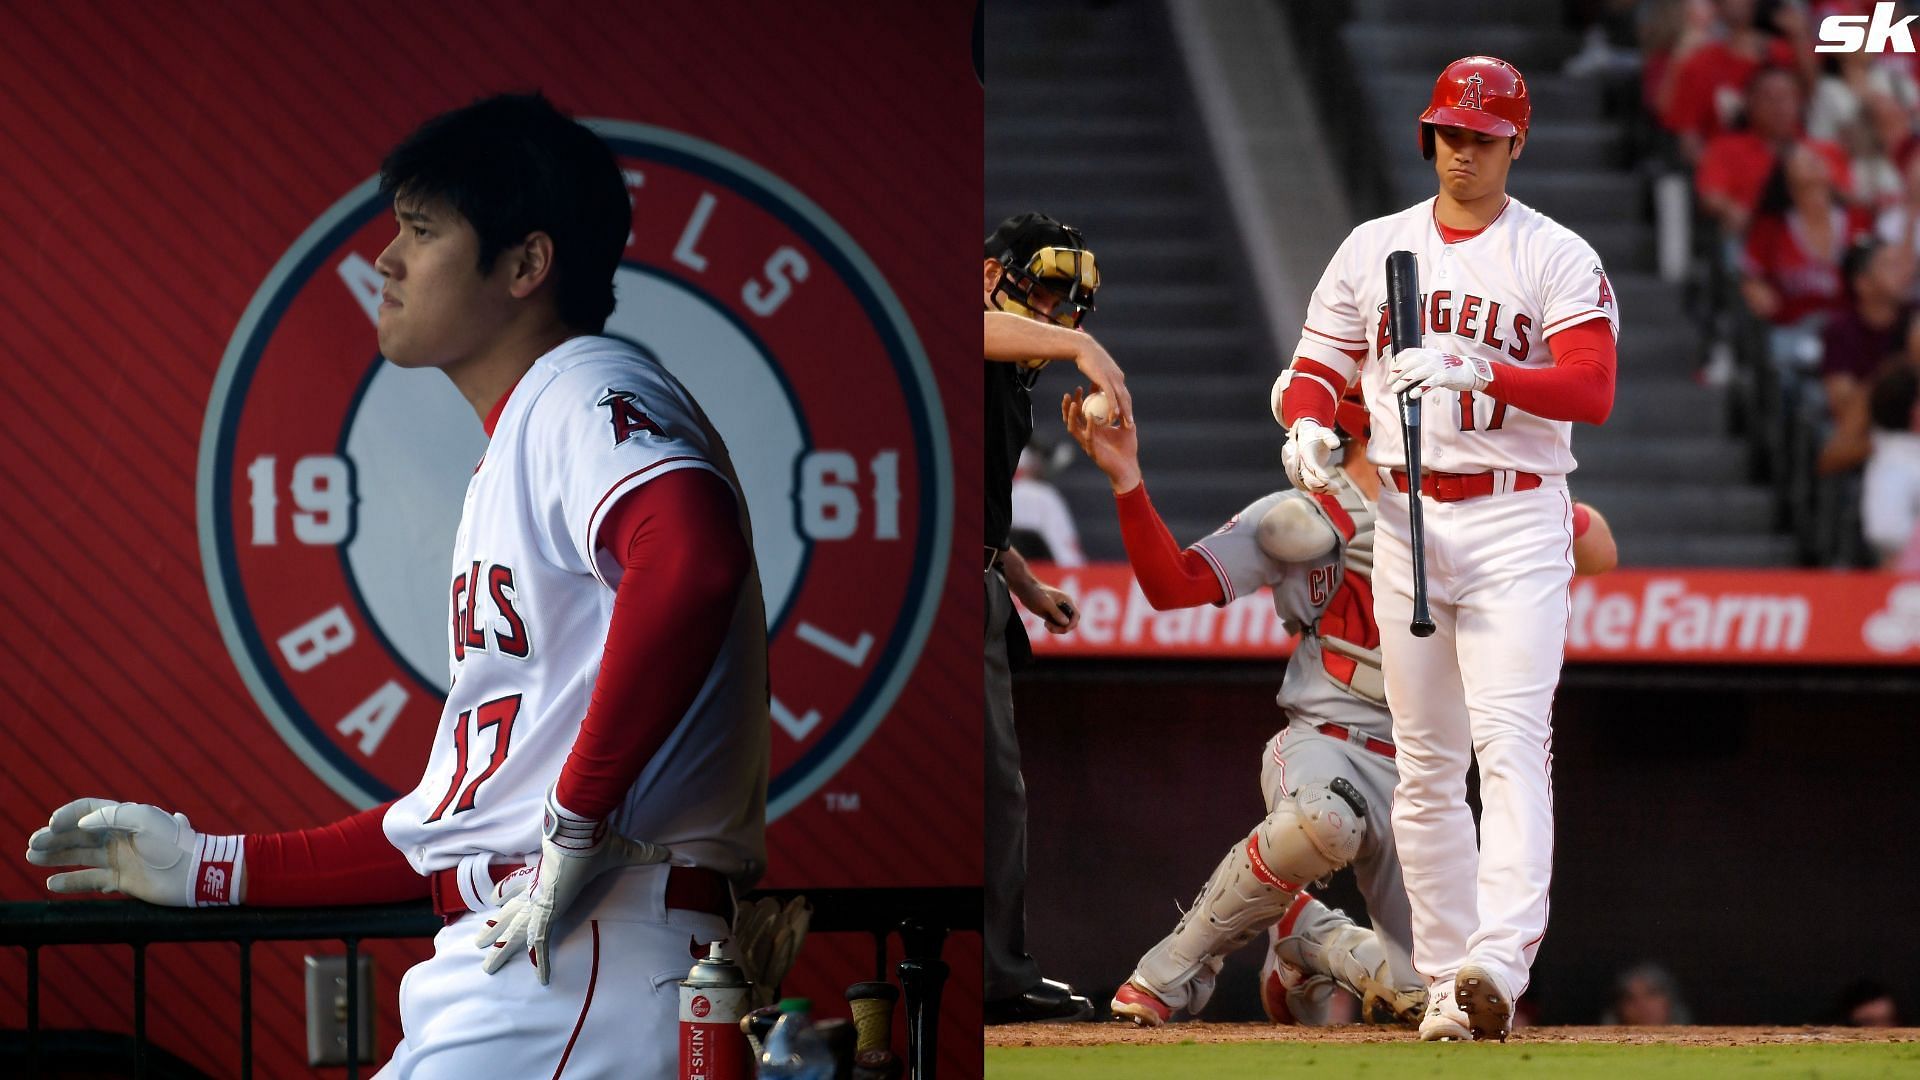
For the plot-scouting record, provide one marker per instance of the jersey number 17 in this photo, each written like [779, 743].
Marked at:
[1468, 401]
[497, 714]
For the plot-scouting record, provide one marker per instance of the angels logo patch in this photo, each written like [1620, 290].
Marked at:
[1470, 93]
[330, 482]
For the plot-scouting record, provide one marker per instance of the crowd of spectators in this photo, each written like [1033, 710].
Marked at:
[1806, 176]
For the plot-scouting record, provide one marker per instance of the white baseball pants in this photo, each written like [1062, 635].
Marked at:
[1482, 686]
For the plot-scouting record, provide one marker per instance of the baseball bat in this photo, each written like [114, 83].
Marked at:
[1403, 323]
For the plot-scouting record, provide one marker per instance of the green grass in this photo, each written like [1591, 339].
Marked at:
[1277, 1061]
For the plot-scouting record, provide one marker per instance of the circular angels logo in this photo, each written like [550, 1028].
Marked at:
[331, 482]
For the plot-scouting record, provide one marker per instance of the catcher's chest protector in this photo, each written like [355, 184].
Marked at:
[1349, 640]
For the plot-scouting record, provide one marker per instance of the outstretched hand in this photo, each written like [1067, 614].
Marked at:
[133, 849]
[1115, 449]
[1100, 369]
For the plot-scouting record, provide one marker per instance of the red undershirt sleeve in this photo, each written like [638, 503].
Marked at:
[1579, 385]
[1170, 578]
[685, 558]
[348, 862]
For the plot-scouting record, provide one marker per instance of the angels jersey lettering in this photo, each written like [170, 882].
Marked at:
[1498, 295]
[530, 600]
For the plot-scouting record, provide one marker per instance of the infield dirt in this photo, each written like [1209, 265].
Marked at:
[1115, 1034]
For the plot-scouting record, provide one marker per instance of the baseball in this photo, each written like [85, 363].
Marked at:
[1098, 407]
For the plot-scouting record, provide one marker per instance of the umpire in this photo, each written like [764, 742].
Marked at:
[1040, 281]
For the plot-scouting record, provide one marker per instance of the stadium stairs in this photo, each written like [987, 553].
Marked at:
[1089, 118]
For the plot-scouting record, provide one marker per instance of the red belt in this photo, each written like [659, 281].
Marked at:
[1453, 487]
[689, 888]
[1357, 737]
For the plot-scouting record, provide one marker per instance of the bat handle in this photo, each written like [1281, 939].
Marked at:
[1422, 624]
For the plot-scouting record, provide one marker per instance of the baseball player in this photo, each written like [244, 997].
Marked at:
[597, 784]
[1039, 281]
[1520, 323]
[1327, 777]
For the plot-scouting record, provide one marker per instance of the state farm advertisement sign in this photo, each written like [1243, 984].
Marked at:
[1636, 616]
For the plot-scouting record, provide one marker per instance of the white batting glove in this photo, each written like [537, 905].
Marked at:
[140, 851]
[1421, 370]
[1308, 454]
[573, 851]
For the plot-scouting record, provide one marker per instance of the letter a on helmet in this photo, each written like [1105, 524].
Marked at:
[1479, 93]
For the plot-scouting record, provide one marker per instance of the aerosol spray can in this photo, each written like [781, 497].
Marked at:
[713, 998]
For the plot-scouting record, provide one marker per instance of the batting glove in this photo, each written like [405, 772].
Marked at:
[139, 851]
[1421, 370]
[1308, 454]
[573, 851]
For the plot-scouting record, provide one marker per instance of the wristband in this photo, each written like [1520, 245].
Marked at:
[213, 877]
[1482, 371]
[571, 833]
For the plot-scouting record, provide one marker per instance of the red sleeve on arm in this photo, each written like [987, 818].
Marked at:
[1690, 104]
[348, 862]
[1307, 397]
[1170, 578]
[1579, 385]
[679, 540]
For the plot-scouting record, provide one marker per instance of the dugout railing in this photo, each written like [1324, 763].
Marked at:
[921, 917]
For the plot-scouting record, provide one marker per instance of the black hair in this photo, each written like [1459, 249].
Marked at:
[1891, 399]
[1776, 197]
[514, 165]
[1859, 258]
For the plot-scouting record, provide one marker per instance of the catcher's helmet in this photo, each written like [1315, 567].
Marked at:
[1479, 93]
[1034, 250]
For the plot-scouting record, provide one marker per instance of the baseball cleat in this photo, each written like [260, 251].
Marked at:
[1489, 1009]
[1140, 1005]
[1042, 1002]
[1444, 1022]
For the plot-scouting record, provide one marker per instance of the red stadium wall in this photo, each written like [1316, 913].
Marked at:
[185, 187]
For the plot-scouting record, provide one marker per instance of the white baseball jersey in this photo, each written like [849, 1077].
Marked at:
[1497, 566]
[1498, 295]
[530, 603]
[1334, 674]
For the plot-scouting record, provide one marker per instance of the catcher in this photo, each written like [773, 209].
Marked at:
[1327, 777]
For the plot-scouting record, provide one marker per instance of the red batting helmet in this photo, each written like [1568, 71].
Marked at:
[1479, 93]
